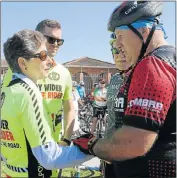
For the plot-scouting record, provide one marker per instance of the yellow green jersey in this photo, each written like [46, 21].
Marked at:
[24, 125]
[54, 89]
[27, 145]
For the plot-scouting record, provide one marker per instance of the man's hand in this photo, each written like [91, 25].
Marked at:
[82, 142]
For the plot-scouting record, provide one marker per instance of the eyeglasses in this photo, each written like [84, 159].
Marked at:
[115, 51]
[42, 55]
[52, 40]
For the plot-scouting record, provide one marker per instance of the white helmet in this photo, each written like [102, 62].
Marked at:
[82, 83]
[74, 83]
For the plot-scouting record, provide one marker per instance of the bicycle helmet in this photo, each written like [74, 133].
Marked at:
[131, 11]
[82, 83]
[95, 84]
[74, 83]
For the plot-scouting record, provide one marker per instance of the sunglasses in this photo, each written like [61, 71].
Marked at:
[42, 55]
[115, 51]
[52, 40]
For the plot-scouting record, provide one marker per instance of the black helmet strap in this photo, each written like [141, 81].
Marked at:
[144, 45]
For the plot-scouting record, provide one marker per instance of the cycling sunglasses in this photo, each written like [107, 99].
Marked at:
[115, 51]
[52, 40]
[42, 55]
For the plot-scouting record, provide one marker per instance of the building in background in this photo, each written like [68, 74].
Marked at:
[90, 71]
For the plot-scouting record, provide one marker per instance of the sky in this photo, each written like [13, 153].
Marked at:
[84, 25]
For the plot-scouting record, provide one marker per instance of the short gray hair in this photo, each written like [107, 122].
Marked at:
[24, 43]
[47, 23]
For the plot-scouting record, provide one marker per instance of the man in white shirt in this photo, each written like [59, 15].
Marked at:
[99, 102]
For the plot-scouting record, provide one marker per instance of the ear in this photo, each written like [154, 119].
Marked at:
[22, 63]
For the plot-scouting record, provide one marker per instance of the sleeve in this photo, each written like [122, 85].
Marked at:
[52, 156]
[68, 89]
[150, 94]
[34, 118]
[96, 92]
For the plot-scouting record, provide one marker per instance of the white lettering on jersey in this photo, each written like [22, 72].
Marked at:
[146, 104]
[119, 104]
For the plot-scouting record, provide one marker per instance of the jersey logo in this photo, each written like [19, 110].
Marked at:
[54, 76]
[119, 104]
[146, 104]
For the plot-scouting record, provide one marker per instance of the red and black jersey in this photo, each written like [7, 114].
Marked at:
[151, 94]
[151, 105]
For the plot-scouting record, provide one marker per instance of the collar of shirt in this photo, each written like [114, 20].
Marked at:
[27, 81]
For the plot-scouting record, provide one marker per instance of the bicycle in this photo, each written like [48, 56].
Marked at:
[85, 118]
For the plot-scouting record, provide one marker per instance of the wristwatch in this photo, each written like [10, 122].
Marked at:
[91, 144]
[66, 140]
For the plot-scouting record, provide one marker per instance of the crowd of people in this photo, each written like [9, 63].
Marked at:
[140, 139]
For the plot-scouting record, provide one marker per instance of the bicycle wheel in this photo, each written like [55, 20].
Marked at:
[98, 127]
[84, 125]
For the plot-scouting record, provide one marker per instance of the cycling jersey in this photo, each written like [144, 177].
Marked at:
[20, 132]
[112, 90]
[55, 88]
[150, 105]
[26, 138]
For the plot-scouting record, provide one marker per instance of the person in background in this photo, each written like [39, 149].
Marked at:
[76, 102]
[81, 90]
[99, 102]
[116, 81]
[92, 92]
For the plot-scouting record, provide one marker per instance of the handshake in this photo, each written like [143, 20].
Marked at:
[86, 143]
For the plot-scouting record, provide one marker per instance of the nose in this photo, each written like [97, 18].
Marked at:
[49, 61]
[55, 44]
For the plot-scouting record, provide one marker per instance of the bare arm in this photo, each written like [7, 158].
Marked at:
[98, 98]
[68, 109]
[126, 143]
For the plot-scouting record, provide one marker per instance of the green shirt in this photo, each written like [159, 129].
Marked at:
[24, 125]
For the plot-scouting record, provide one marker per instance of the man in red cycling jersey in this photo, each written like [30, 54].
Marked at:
[145, 146]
